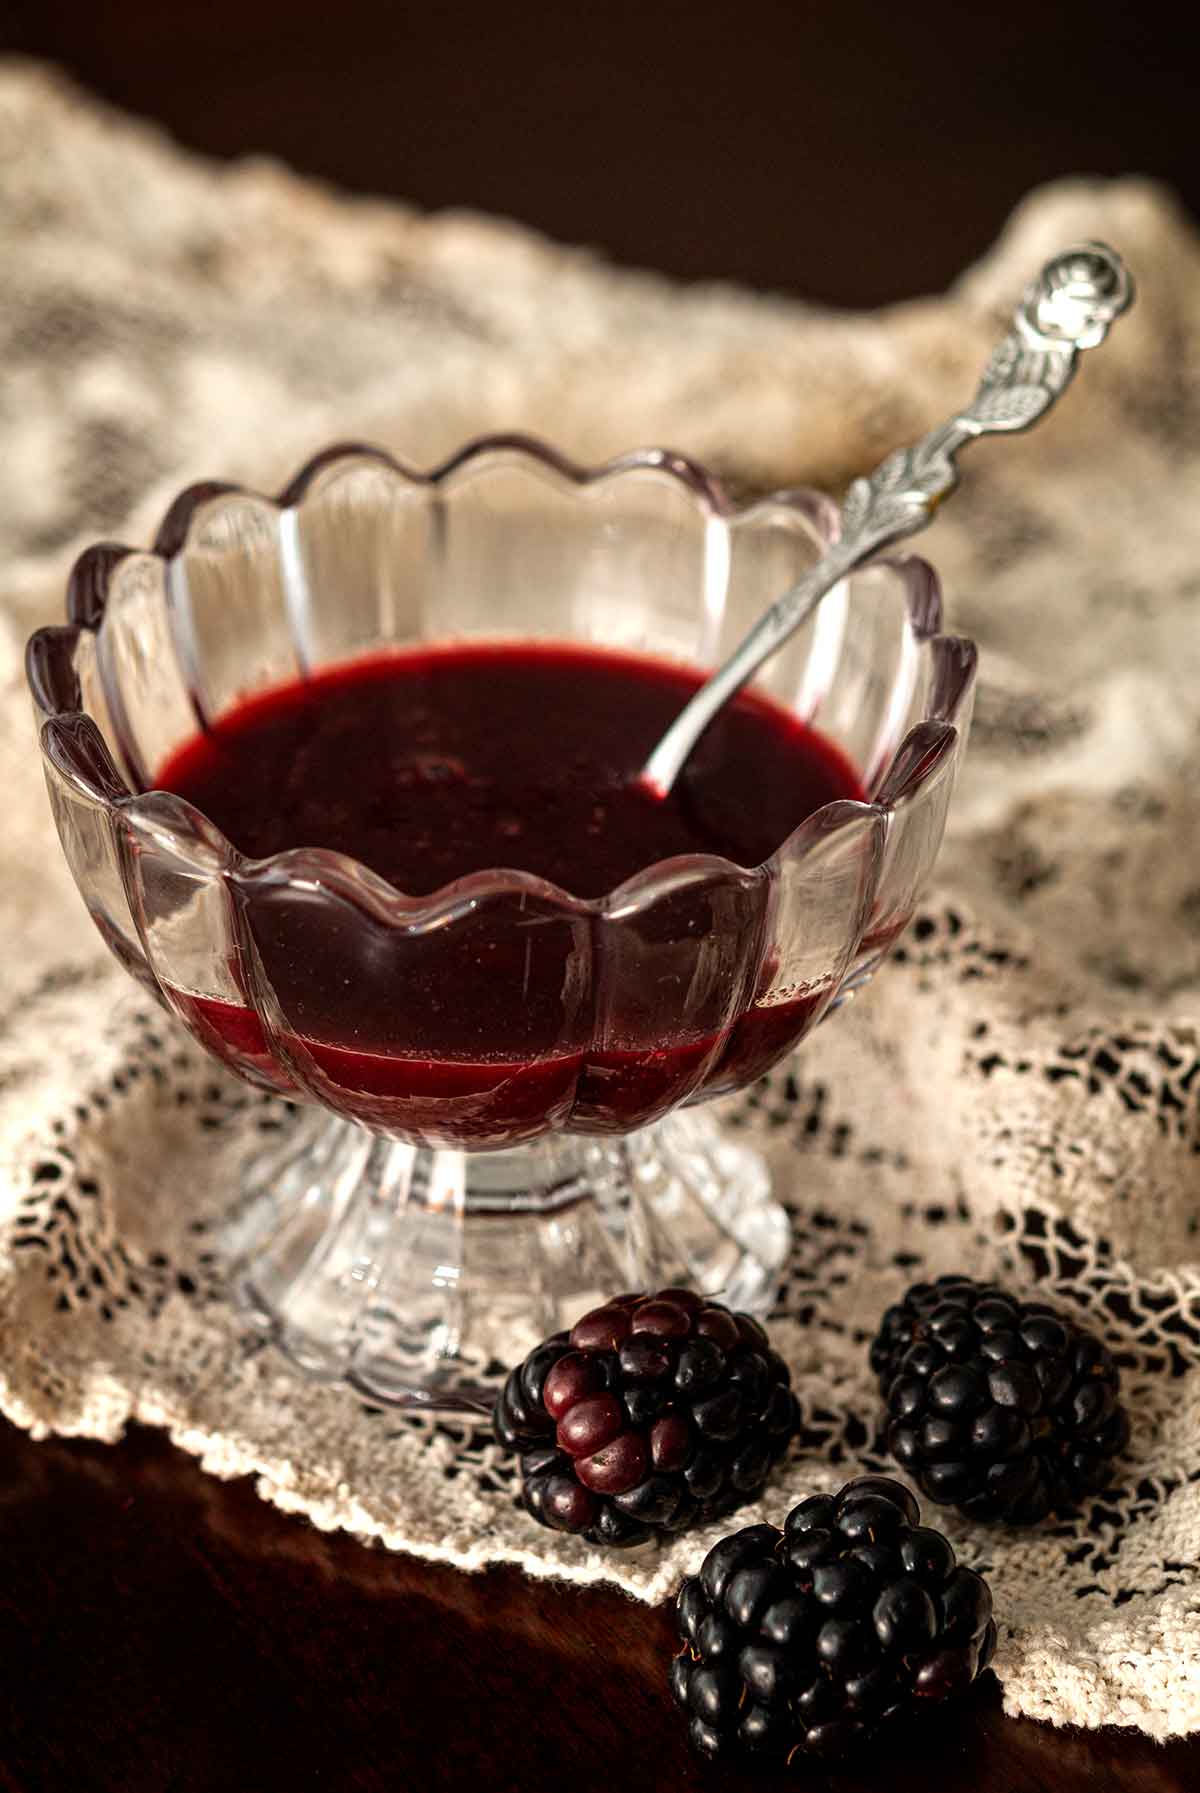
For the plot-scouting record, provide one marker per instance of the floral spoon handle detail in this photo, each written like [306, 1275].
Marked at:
[1068, 308]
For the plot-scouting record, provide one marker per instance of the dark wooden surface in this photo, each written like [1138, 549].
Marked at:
[165, 1631]
[160, 1630]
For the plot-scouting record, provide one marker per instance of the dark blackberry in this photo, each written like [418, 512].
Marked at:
[800, 1639]
[1002, 1408]
[654, 1412]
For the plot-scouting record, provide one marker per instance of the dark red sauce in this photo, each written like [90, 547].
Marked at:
[434, 764]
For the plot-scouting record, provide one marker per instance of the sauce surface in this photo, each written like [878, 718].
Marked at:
[434, 763]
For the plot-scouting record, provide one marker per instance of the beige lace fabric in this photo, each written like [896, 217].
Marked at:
[1017, 1094]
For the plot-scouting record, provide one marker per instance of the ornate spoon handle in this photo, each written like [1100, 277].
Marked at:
[1067, 309]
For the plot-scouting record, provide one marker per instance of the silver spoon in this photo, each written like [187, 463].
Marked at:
[1068, 308]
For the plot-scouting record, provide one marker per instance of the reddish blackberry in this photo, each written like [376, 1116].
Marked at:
[1002, 1408]
[813, 1637]
[653, 1412]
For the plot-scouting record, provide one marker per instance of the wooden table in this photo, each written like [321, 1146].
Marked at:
[163, 1632]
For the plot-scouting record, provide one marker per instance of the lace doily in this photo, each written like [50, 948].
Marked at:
[1018, 1093]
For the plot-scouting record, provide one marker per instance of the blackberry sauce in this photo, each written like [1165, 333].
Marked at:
[436, 763]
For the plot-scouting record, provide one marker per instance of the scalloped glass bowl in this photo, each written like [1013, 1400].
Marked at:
[441, 1208]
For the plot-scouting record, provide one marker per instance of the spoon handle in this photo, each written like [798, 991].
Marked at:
[1068, 308]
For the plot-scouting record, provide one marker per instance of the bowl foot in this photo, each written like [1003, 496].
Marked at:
[418, 1274]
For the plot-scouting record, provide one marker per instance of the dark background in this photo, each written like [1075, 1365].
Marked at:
[853, 152]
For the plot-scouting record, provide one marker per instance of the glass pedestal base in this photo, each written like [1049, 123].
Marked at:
[417, 1274]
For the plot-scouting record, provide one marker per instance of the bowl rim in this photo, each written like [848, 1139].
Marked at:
[73, 745]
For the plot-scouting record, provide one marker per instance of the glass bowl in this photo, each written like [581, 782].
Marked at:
[444, 1203]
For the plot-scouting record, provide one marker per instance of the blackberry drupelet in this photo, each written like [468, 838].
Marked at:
[654, 1412]
[813, 1637]
[1002, 1408]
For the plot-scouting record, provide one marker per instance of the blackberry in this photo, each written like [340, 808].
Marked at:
[1002, 1408]
[654, 1412]
[813, 1637]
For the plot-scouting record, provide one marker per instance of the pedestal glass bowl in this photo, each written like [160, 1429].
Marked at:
[455, 1190]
